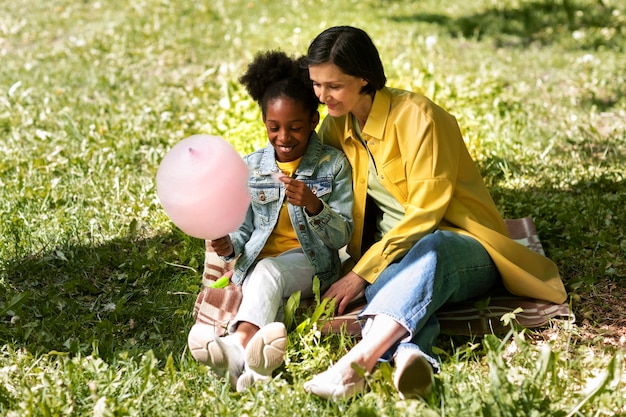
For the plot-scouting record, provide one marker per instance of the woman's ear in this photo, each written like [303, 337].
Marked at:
[364, 84]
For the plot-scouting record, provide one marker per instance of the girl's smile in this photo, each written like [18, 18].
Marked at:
[289, 126]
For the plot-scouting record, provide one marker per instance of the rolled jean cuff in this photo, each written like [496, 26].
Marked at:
[365, 320]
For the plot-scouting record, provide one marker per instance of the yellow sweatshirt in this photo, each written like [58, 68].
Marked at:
[423, 162]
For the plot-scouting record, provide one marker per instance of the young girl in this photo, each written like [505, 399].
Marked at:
[300, 215]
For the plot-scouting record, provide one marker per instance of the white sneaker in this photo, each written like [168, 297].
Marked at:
[249, 378]
[266, 350]
[330, 385]
[222, 354]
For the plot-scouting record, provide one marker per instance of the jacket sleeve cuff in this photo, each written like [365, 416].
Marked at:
[369, 268]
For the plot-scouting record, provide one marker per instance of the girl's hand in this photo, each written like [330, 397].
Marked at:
[223, 246]
[345, 290]
[299, 194]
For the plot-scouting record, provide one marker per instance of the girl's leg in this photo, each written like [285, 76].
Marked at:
[255, 339]
[265, 289]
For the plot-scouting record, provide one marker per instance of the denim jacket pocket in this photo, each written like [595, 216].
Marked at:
[264, 199]
[263, 195]
[320, 186]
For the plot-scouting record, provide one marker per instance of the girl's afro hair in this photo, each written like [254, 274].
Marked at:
[273, 74]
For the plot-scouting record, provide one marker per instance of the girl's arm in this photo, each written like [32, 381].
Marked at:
[334, 223]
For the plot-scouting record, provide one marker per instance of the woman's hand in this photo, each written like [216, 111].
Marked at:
[345, 290]
[223, 246]
[299, 194]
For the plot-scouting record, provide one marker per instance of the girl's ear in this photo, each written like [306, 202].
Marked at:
[315, 119]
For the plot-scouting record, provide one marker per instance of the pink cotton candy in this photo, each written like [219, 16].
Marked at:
[202, 184]
[276, 176]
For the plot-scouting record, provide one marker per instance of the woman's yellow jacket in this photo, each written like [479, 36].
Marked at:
[422, 160]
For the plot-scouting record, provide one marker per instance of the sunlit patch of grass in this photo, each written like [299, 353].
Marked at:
[97, 286]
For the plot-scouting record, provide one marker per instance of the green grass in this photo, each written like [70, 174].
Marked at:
[97, 286]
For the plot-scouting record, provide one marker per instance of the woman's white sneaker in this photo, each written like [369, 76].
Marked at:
[413, 374]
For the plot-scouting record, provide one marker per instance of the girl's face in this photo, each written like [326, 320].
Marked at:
[289, 126]
[339, 91]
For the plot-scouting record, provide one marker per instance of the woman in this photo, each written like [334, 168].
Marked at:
[438, 236]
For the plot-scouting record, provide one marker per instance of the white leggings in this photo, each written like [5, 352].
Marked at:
[269, 284]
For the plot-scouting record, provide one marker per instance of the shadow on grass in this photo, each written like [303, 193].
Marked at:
[124, 295]
[543, 22]
[582, 226]
[127, 294]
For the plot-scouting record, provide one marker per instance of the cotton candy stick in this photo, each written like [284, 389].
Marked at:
[221, 282]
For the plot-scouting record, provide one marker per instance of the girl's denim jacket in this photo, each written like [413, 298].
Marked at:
[327, 172]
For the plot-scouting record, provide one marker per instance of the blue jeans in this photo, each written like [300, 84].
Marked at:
[442, 268]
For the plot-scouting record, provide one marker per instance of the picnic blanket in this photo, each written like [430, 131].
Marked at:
[217, 306]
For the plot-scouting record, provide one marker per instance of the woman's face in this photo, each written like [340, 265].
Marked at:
[289, 126]
[339, 91]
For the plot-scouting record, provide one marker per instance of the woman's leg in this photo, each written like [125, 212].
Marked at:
[342, 380]
[442, 267]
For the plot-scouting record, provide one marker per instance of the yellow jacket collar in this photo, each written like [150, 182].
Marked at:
[376, 120]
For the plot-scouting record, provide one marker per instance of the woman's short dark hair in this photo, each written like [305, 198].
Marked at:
[273, 74]
[352, 50]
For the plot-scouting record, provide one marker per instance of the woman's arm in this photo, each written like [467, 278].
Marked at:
[422, 178]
